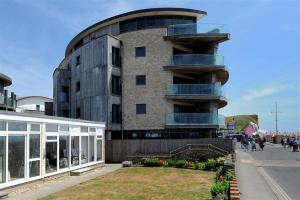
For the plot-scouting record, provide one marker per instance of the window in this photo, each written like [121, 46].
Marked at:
[77, 60]
[74, 150]
[65, 113]
[63, 152]
[77, 86]
[84, 149]
[116, 85]
[51, 128]
[116, 57]
[83, 129]
[92, 149]
[17, 126]
[2, 126]
[2, 159]
[77, 113]
[64, 94]
[116, 113]
[99, 149]
[64, 128]
[140, 109]
[140, 51]
[140, 80]
[34, 146]
[37, 107]
[35, 127]
[16, 155]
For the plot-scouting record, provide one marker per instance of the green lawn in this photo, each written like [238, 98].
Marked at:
[141, 183]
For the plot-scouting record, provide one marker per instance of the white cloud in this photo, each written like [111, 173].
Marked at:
[263, 92]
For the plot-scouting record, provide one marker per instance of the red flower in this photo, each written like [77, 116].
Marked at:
[221, 178]
[160, 163]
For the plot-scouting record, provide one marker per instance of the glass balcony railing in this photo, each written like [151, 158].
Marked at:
[195, 89]
[197, 59]
[193, 118]
[221, 120]
[8, 101]
[196, 28]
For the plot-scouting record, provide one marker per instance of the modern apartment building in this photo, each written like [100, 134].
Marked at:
[152, 73]
[6, 103]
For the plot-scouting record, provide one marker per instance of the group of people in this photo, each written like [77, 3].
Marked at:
[249, 144]
[290, 142]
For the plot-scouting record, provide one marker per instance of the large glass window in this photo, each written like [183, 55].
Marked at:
[16, 155]
[116, 86]
[34, 146]
[2, 158]
[84, 149]
[74, 150]
[51, 156]
[92, 149]
[99, 150]
[63, 152]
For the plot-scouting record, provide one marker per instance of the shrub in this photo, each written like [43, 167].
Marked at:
[221, 160]
[229, 175]
[210, 164]
[169, 163]
[220, 188]
[201, 165]
[160, 163]
[180, 163]
[195, 165]
[219, 172]
[151, 162]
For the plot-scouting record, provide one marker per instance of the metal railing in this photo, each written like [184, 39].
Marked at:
[6, 101]
[197, 59]
[195, 89]
[196, 28]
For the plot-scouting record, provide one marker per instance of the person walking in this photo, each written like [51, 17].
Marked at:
[261, 144]
[284, 141]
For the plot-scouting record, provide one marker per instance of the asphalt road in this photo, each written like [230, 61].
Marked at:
[281, 166]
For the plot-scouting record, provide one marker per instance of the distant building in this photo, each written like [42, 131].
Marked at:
[6, 102]
[32, 104]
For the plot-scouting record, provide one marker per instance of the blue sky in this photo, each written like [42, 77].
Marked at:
[263, 55]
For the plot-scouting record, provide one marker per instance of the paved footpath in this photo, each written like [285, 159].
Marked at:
[270, 174]
[51, 187]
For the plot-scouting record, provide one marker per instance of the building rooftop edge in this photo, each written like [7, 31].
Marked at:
[48, 117]
[25, 97]
[121, 17]
[5, 79]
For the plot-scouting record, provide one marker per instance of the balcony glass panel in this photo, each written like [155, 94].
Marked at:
[197, 59]
[195, 89]
[192, 118]
[196, 28]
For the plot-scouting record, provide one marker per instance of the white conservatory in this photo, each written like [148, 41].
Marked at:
[37, 146]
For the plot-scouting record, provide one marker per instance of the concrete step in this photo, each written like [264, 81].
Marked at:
[78, 172]
[3, 195]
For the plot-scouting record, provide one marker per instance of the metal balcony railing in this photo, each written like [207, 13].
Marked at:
[196, 28]
[197, 59]
[195, 89]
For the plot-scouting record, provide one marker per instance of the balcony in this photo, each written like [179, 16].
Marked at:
[197, 93]
[194, 120]
[199, 63]
[6, 103]
[197, 32]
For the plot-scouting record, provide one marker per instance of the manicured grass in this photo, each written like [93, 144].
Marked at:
[141, 183]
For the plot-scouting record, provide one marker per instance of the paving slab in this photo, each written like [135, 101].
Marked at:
[63, 183]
